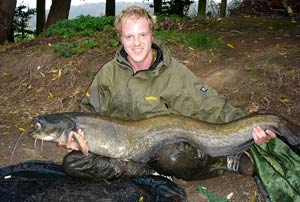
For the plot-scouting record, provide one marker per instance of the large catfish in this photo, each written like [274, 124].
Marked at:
[140, 140]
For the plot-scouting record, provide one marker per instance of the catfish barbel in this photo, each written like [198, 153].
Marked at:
[140, 140]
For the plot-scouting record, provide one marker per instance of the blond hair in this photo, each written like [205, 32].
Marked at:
[136, 12]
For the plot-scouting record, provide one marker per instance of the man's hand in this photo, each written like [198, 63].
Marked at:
[260, 136]
[71, 144]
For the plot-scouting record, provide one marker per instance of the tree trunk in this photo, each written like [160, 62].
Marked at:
[40, 16]
[7, 12]
[110, 7]
[59, 10]
[202, 8]
[179, 7]
[287, 7]
[223, 8]
[157, 6]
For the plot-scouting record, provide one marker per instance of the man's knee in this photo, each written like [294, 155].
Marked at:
[95, 166]
[92, 166]
[186, 162]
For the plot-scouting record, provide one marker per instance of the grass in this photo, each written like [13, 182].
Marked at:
[81, 34]
[81, 26]
[253, 24]
[190, 39]
[68, 49]
[86, 32]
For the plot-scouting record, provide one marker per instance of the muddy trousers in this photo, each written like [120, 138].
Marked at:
[179, 160]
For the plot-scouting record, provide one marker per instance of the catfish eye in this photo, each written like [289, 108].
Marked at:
[38, 126]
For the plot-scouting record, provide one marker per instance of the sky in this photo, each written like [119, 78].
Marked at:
[32, 3]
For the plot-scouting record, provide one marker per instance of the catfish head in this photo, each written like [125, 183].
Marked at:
[52, 127]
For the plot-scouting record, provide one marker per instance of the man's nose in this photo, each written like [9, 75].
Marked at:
[136, 41]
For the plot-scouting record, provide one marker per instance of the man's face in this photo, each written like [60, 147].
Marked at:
[137, 37]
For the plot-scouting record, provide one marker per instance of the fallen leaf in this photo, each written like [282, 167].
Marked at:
[58, 74]
[285, 99]
[50, 95]
[21, 129]
[5, 133]
[229, 45]
[249, 68]
[230, 195]
[43, 75]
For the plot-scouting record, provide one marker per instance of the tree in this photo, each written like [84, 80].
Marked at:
[157, 6]
[177, 7]
[110, 7]
[223, 8]
[20, 23]
[202, 8]
[7, 11]
[40, 16]
[59, 10]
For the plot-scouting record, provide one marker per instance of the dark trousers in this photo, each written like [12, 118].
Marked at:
[179, 160]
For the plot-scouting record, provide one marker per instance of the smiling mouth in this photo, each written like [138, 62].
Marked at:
[139, 51]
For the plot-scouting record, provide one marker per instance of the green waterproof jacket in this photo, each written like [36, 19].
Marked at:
[168, 87]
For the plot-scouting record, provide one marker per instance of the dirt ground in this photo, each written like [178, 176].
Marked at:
[257, 69]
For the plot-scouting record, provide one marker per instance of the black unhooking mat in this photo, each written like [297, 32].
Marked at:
[45, 181]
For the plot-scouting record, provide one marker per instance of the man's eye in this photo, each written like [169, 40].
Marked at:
[128, 37]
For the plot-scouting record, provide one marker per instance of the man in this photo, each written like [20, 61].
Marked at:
[144, 80]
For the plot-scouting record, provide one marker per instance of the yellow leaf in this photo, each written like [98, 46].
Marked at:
[141, 199]
[293, 20]
[88, 94]
[50, 95]
[5, 133]
[58, 74]
[229, 45]
[285, 99]
[21, 129]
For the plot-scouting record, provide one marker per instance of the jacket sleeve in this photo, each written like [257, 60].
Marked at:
[194, 98]
[96, 98]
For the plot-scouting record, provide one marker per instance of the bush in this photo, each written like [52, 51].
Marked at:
[81, 26]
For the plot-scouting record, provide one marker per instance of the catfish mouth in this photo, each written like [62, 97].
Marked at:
[35, 131]
[43, 137]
